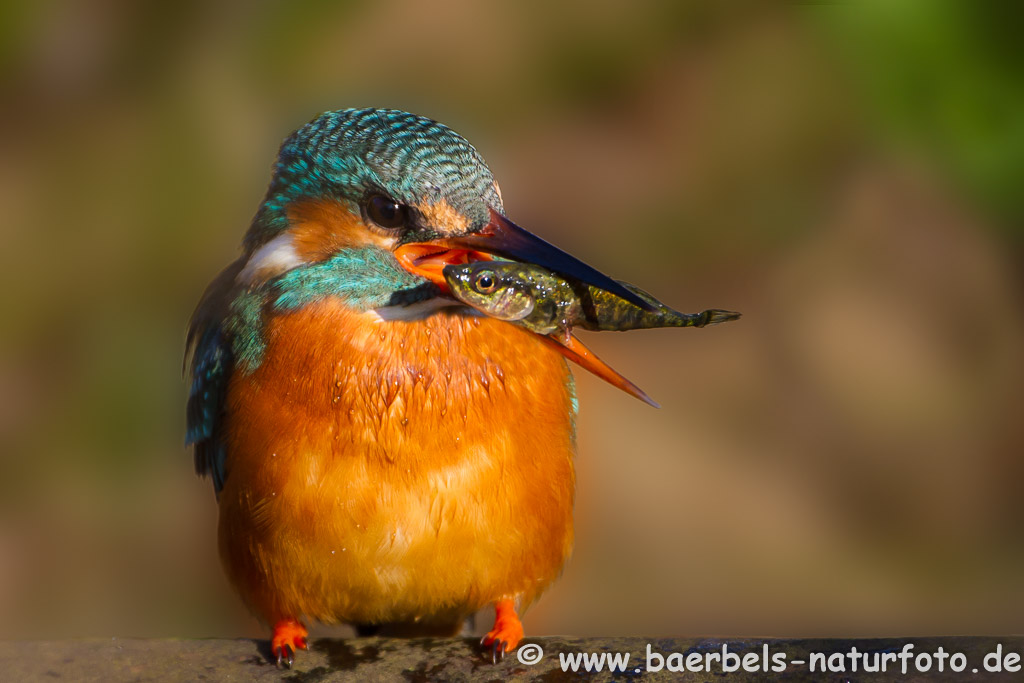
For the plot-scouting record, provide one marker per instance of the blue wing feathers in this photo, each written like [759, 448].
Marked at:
[212, 362]
[211, 365]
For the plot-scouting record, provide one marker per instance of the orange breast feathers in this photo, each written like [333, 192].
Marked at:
[388, 471]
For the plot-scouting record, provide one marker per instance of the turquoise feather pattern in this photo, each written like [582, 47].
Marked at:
[350, 153]
[363, 279]
[244, 325]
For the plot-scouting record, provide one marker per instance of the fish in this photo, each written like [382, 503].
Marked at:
[548, 304]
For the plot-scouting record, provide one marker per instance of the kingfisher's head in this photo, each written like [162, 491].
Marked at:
[367, 207]
[377, 201]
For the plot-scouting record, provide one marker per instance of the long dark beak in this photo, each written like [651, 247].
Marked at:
[502, 237]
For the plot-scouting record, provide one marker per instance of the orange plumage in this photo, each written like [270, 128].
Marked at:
[396, 471]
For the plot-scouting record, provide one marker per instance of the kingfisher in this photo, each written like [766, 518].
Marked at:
[381, 455]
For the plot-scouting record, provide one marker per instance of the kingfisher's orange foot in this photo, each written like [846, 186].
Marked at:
[507, 631]
[289, 636]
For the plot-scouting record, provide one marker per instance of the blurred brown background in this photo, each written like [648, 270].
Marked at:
[847, 459]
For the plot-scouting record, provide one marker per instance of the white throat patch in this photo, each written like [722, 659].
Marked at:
[272, 259]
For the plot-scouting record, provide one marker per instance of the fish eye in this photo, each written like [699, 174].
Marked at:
[386, 212]
[485, 281]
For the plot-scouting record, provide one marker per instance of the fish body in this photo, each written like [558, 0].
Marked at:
[534, 297]
[546, 303]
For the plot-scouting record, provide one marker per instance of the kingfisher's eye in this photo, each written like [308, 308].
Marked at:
[386, 212]
[485, 282]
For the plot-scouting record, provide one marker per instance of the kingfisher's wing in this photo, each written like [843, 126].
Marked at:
[210, 362]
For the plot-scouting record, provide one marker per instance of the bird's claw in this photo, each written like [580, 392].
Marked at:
[498, 651]
[496, 646]
[285, 657]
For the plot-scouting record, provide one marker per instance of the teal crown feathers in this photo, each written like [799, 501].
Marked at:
[345, 155]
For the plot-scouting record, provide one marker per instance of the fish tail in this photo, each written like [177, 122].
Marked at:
[709, 317]
[714, 316]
